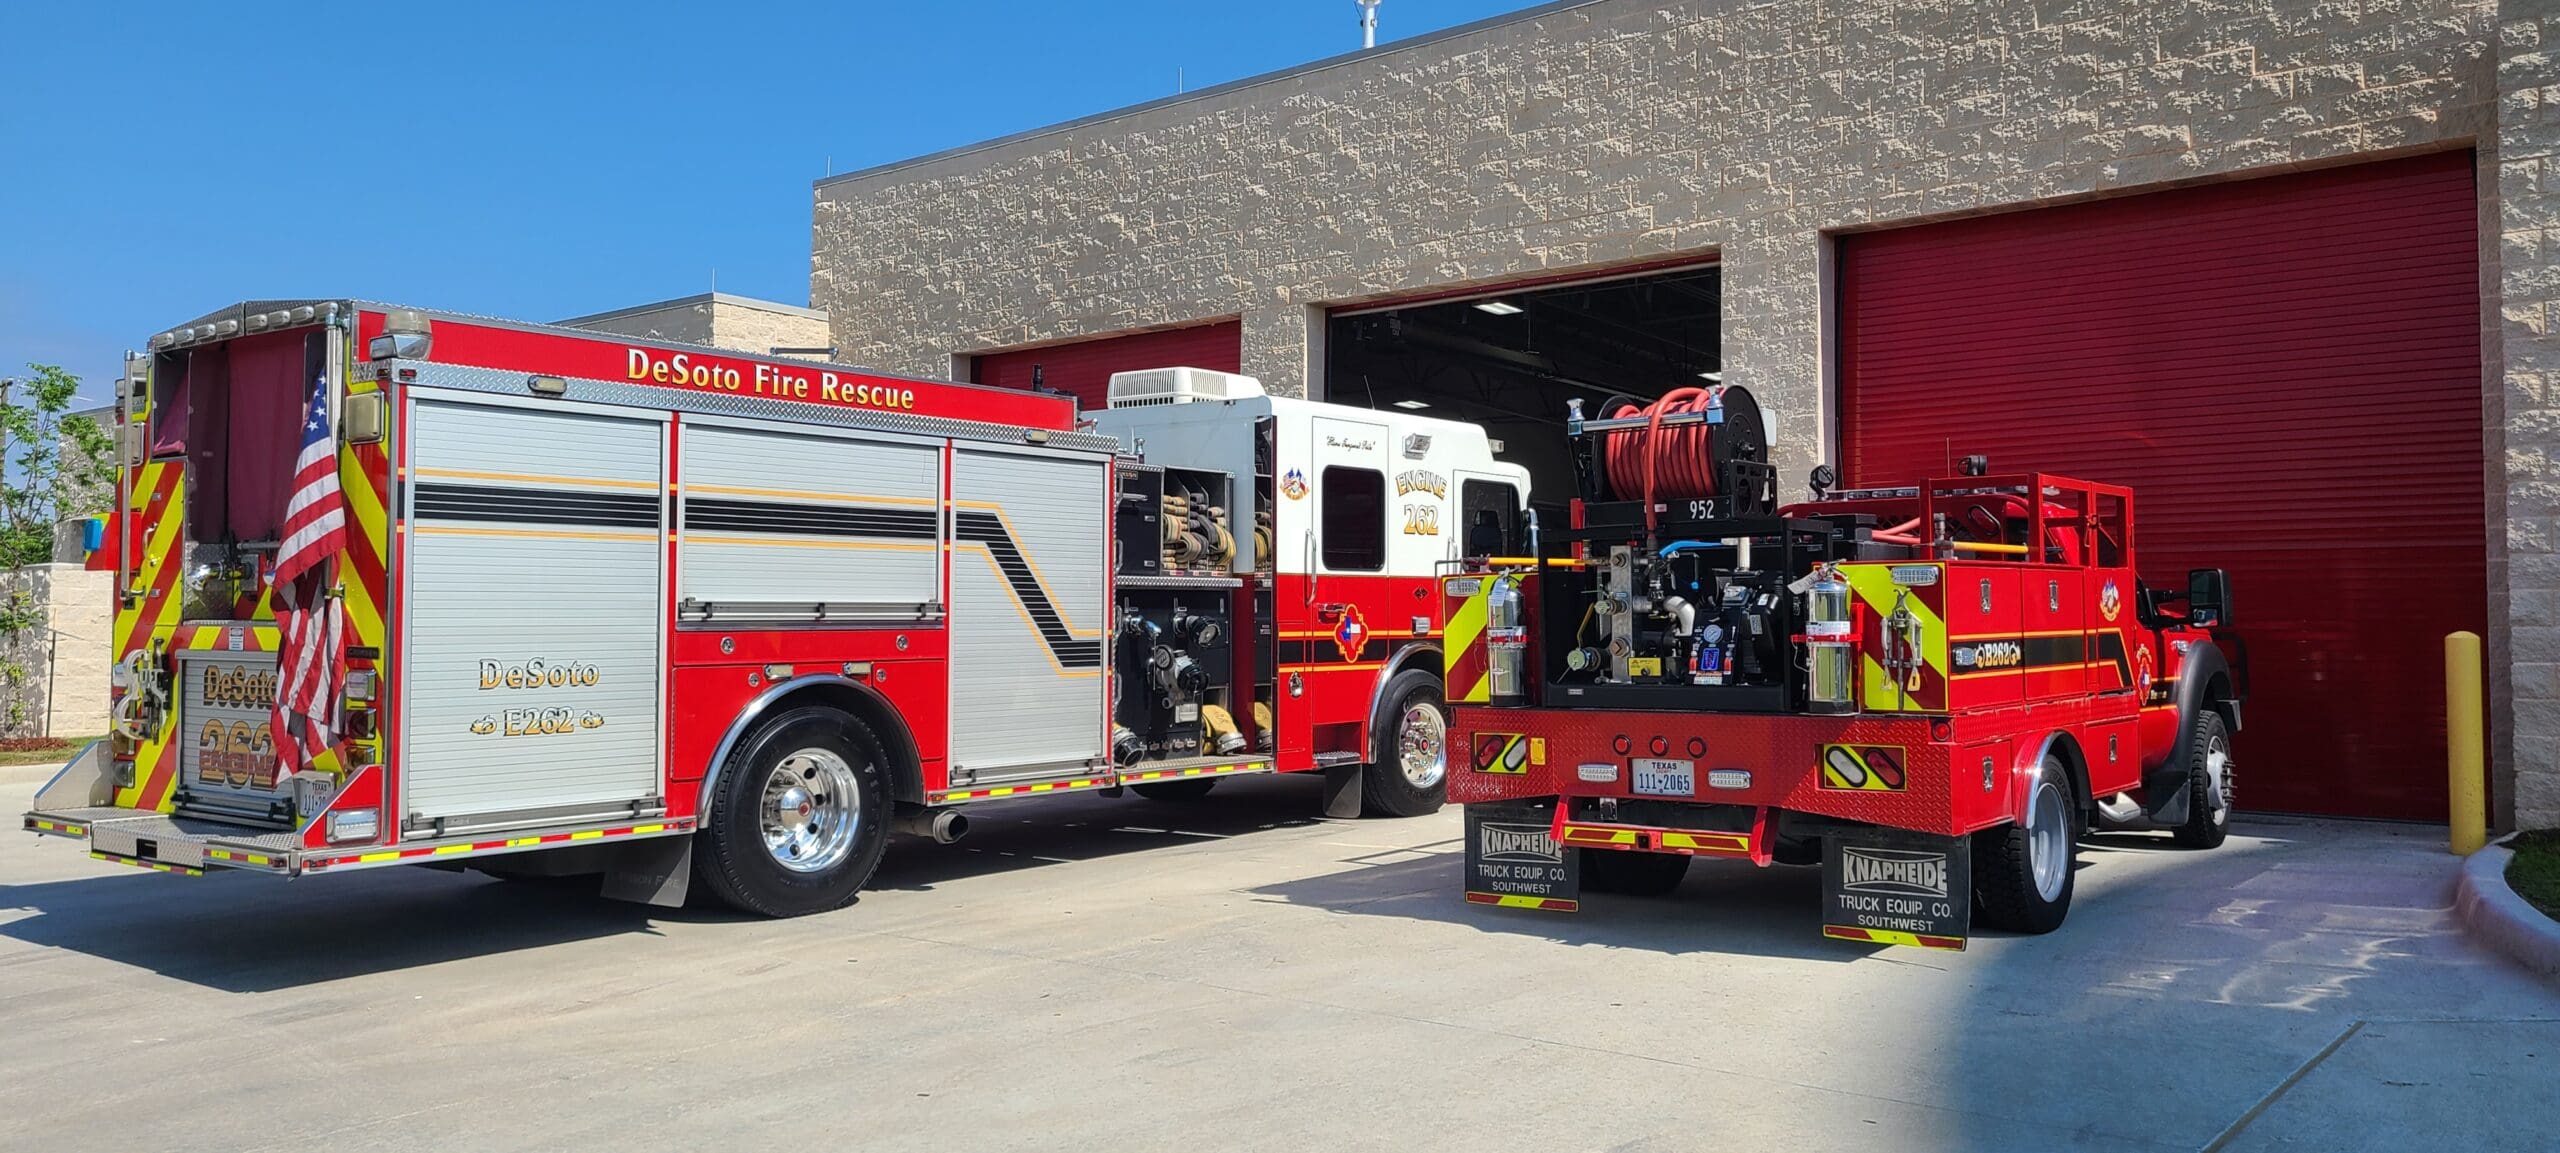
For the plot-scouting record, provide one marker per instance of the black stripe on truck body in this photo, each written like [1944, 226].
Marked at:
[808, 519]
[875, 522]
[988, 529]
[437, 500]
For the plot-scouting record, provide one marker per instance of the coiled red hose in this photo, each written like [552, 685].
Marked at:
[1677, 463]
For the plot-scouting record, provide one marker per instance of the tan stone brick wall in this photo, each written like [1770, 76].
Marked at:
[66, 652]
[760, 330]
[2524, 657]
[736, 323]
[1609, 132]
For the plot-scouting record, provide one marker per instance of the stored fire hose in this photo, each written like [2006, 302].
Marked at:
[1677, 463]
[1218, 731]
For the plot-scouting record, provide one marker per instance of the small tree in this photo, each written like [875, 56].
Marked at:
[55, 465]
[60, 464]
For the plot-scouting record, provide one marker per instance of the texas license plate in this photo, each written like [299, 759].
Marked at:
[1656, 777]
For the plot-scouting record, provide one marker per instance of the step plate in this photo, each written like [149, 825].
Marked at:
[1149, 772]
[135, 836]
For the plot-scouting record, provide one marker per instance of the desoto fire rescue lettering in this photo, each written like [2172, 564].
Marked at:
[658, 366]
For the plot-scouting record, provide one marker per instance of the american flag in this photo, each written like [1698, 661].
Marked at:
[310, 625]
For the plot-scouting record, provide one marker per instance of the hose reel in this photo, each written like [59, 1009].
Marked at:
[1722, 459]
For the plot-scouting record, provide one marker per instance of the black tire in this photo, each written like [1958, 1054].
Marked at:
[1385, 788]
[2208, 807]
[2006, 894]
[731, 858]
[1631, 873]
[1190, 790]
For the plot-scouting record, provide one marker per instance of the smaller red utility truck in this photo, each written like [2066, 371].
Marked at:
[1930, 690]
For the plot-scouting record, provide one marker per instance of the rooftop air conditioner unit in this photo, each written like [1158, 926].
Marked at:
[1178, 386]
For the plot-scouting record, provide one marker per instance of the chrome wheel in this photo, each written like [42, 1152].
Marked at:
[2048, 838]
[1422, 745]
[2218, 767]
[811, 809]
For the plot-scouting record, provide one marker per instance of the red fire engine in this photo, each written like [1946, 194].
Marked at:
[1931, 690]
[666, 614]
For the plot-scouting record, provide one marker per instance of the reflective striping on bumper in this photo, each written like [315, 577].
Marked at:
[1707, 842]
[388, 856]
[1515, 901]
[1195, 771]
[239, 857]
[1016, 790]
[53, 828]
[1892, 937]
[1645, 837]
[155, 866]
[1595, 835]
[1215, 770]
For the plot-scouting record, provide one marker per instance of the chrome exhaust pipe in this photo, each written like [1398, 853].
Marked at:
[942, 825]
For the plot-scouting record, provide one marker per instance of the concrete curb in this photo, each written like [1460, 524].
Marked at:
[2496, 915]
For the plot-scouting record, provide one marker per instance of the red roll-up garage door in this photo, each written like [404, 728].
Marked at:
[2287, 370]
[1084, 368]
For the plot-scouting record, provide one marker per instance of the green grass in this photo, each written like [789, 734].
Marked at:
[47, 756]
[2535, 873]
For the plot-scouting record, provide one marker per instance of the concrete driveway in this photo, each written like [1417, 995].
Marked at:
[1235, 974]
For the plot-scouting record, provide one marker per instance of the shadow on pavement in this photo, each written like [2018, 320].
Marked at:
[1010, 836]
[1727, 907]
[248, 934]
[242, 933]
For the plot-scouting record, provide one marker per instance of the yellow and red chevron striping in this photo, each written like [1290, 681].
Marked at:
[365, 471]
[203, 637]
[159, 508]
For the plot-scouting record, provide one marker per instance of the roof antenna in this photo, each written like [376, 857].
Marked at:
[1368, 23]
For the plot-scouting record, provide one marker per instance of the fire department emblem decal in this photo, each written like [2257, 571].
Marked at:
[2110, 599]
[1293, 484]
[1350, 634]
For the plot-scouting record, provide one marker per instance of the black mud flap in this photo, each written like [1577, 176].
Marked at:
[652, 871]
[1890, 887]
[1513, 860]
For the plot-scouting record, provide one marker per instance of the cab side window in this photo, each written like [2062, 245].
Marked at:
[1489, 519]
[1353, 531]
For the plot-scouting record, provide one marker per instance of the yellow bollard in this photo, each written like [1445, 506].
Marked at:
[2466, 777]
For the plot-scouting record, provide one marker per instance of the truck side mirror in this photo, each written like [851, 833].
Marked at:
[2208, 598]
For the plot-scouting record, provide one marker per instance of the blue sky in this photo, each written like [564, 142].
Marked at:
[531, 160]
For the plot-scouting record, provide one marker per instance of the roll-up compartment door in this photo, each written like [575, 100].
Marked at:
[1031, 540]
[532, 664]
[795, 525]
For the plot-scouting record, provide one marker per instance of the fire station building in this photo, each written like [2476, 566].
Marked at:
[2286, 267]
